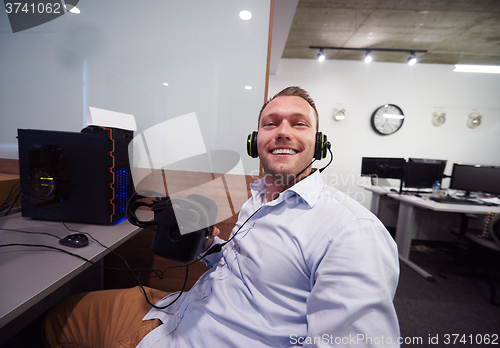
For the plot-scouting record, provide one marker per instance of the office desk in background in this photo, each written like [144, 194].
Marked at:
[407, 222]
[409, 206]
[35, 278]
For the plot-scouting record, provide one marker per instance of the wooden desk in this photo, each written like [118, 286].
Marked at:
[34, 278]
[7, 183]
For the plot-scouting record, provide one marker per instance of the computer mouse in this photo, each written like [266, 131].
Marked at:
[77, 240]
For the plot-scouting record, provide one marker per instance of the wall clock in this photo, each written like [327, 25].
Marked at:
[387, 119]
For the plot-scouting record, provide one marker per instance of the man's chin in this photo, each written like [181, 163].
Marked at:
[287, 172]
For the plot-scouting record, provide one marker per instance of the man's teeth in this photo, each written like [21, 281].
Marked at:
[283, 151]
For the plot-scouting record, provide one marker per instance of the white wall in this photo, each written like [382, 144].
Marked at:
[419, 90]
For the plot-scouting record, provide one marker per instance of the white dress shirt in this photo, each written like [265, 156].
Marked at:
[311, 268]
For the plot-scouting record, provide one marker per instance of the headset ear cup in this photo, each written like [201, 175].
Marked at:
[320, 148]
[209, 208]
[252, 145]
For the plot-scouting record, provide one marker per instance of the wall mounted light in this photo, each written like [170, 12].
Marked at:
[474, 120]
[339, 114]
[438, 118]
[412, 60]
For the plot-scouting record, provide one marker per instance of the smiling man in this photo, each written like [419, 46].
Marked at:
[305, 265]
[286, 139]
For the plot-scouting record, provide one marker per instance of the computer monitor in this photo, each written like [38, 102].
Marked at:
[422, 173]
[475, 178]
[383, 167]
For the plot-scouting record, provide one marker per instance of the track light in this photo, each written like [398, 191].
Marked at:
[321, 55]
[368, 57]
[412, 59]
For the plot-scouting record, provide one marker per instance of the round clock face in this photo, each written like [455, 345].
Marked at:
[387, 119]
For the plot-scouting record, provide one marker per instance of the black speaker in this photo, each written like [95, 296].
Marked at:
[320, 148]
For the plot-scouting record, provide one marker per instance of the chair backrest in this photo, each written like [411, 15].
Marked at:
[494, 228]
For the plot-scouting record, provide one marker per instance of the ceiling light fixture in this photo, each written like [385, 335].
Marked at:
[321, 55]
[369, 50]
[412, 59]
[368, 57]
[491, 69]
[245, 15]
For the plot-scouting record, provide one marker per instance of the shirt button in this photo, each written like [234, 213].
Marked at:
[220, 274]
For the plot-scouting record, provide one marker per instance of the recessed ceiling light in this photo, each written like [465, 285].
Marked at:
[165, 84]
[248, 88]
[245, 15]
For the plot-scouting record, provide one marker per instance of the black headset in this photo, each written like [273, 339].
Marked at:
[322, 145]
[171, 241]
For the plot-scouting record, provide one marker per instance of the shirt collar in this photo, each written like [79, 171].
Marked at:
[308, 189]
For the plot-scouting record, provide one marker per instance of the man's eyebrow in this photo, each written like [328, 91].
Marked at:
[296, 115]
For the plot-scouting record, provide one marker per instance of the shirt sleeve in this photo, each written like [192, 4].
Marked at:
[353, 287]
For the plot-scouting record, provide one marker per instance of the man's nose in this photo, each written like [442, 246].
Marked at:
[284, 131]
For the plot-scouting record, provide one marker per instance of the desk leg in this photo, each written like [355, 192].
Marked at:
[404, 233]
[375, 205]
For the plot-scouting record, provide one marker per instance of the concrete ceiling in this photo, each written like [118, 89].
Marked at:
[452, 31]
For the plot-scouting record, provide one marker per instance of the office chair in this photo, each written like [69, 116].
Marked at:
[485, 249]
[494, 228]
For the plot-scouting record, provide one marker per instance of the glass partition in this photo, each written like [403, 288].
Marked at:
[156, 60]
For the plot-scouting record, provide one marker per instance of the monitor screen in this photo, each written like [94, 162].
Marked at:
[386, 168]
[423, 173]
[475, 178]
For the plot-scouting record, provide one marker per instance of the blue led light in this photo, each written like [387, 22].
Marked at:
[123, 188]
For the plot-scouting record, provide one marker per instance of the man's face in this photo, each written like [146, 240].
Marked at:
[287, 136]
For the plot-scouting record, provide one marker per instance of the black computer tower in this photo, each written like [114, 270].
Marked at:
[75, 177]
